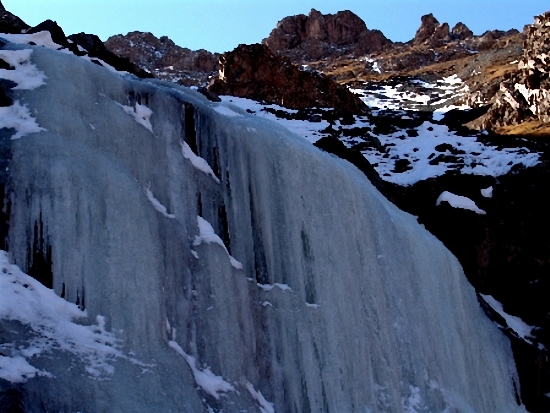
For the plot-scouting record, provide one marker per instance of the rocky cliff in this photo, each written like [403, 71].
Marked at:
[254, 72]
[343, 48]
[521, 103]
[317, 35]
[163, 58]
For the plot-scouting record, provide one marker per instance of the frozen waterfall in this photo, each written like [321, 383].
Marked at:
[219, 264]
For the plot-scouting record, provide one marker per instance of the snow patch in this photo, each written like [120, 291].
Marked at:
[104, 64]
[19, 118]
[207, 234]
[515, 323]
[413, 403]
[312, 305]
[226, 110]
[158, 206]
[311, 131]
[269, 287]
[487, 192]
[28, 302]
[452, 80]
[197, 161]
[18, 370]
[205, 379]
[439, 114]
[25, 74]
[263, 404]
[457, 201]
[43, 38]
[374, 63]
[478, 158]
[140, 113]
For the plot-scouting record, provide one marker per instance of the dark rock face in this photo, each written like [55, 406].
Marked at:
[58, 36]
[317, 35]
[95, 48]
[164, 58]
[254, 72]
[10, 23]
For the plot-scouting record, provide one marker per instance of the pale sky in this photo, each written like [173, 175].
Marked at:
[221, 25]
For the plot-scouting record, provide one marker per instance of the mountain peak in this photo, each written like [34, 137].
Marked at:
[427, 29]
[317, 35]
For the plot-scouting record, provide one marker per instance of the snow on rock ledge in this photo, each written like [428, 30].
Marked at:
[207, 235]
[457, 201]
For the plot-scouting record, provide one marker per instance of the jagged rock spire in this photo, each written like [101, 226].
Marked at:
[461, 31]
[432, 32]
[426, 29]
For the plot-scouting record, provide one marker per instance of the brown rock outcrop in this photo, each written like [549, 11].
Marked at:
[164, 58]
[255, 72]
[524, 95]
[441, 35]
[317, 35]
[426, 29]
[535, 68]
[431, 32]
[490, 38]
[340, 29]
[461, 32]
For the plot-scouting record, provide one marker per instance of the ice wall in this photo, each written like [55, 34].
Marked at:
[141, 202]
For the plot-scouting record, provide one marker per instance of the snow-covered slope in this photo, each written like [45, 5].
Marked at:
[404, 137]
[267, 277]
